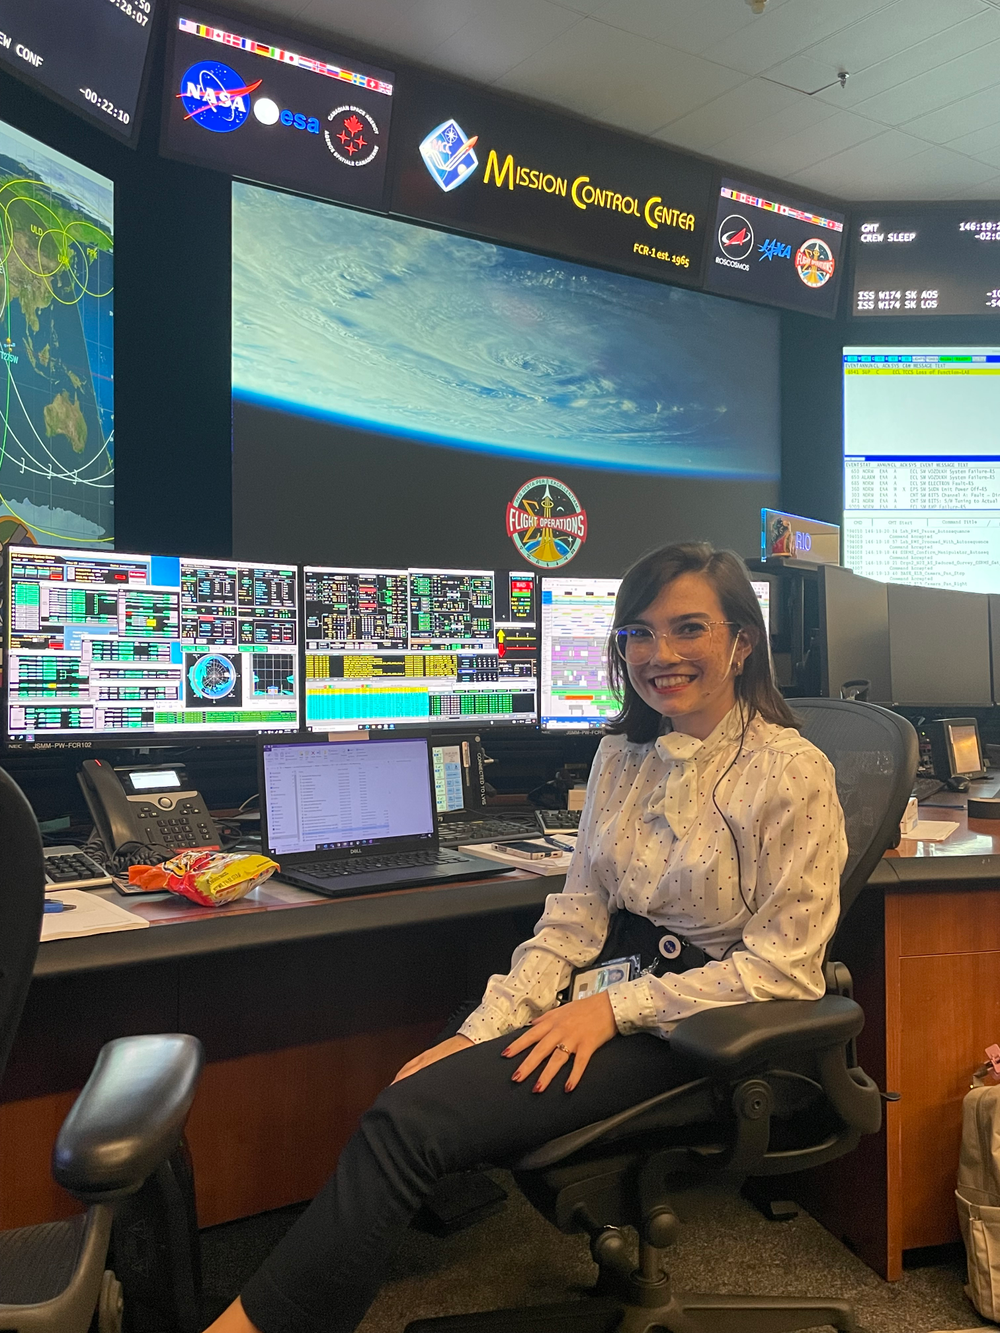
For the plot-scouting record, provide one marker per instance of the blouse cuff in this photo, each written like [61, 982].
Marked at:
[633, 1006]
[484, 1024]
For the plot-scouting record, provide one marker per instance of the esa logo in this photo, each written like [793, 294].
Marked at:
[269, 113]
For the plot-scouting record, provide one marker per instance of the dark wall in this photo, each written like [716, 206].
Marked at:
[172, 414]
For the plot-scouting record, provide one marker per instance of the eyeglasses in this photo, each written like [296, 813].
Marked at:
[690, 640]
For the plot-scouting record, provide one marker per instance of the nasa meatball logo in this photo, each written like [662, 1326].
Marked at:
[814, 262]
[215, 96]
[735, 237]
[352, 136]
[546, 522]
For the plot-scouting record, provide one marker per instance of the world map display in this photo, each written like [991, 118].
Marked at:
[56, 348]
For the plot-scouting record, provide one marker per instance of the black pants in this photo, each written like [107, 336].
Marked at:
[462, 1110]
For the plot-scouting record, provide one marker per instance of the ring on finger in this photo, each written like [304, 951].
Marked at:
[564, 1049]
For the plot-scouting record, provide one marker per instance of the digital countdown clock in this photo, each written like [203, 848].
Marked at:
[927, 260]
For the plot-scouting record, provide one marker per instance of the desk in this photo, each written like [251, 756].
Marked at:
[306, 1006]
[923, 946]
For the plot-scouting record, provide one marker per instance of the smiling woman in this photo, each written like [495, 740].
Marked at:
[707, 871]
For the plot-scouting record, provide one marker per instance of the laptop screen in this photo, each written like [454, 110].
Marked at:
[327, 795]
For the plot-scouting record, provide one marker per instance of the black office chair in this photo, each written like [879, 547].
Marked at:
[120, 1151]
[779, 1090]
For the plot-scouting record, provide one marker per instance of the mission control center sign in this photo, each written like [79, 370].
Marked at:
[477, 163]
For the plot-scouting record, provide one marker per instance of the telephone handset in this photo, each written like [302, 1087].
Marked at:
[154, 807]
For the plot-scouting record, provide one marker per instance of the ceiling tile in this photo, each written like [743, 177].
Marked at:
[984, 145]
[938, 172]
[577, 68]
[410, 28]
[810, 145]
[894, 165]
[719, 119]
[985, 190]
[965, 74]
[689, 27]
[683, 84]
[777, 35]
[879, 54]
[953, 121]
[803, 73]
[494, 40]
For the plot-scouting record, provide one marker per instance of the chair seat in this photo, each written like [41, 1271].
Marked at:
[36, 1263]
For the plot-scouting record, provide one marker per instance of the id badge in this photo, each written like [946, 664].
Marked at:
[606, 974]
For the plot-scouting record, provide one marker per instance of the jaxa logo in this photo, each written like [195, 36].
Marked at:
[216, 97]
[772, 249]
[448, 155]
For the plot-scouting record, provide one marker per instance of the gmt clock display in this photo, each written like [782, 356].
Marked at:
[89, 54]
[926, 260]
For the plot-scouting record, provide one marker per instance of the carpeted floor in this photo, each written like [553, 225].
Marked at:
[517, 1258]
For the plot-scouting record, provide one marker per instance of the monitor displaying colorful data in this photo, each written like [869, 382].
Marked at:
[88, 54]
[123, 647]
[397, 647]
[922, 465]
[576, 620]
[57, 405]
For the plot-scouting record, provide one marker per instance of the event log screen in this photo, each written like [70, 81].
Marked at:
[927, 260]
[101, 644]
[922, 465]
[89, 54]
[432, 647]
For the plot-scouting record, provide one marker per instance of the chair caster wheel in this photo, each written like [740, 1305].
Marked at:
[110, 1304]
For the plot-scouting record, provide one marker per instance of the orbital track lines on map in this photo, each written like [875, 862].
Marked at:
[56, 246]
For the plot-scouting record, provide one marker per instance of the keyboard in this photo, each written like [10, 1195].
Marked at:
[361, 865]
[486, 830]
[558, 821]
[924, 788]
[69, 868]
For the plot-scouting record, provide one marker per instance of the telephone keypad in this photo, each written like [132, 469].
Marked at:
[181, 825]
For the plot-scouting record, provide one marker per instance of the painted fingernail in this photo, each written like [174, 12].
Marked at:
[505, 1052]
[516, 1078]
[537, 1087]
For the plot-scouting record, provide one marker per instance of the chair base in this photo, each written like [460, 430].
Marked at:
[657, 1311]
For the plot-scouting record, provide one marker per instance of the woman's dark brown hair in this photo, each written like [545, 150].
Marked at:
[726, 572]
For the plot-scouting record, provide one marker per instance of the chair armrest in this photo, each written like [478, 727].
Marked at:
[738, 1039]
[129, 1116]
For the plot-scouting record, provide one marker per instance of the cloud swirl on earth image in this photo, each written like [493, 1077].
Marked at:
[395, 328]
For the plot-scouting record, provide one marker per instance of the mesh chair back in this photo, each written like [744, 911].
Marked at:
[22, 897]
[874, 754]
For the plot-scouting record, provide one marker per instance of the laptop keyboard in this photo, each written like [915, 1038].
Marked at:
[487, 830]
[360, 865]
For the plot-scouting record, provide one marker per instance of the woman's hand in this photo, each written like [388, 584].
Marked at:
[428, 1057]
[570, 1031]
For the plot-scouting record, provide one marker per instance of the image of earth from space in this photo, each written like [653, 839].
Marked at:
[395, 328]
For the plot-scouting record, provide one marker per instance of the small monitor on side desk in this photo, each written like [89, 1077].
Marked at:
[939, 647]
[956, 749]
[387, 648]
[114, 649]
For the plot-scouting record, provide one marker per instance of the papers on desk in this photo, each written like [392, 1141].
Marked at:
[548, 865]
[91, 915]
[931, 830]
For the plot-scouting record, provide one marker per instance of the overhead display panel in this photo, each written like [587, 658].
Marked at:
[268, 108]
[771, 248]
[507, 171]
[88, 54]
[922, 259]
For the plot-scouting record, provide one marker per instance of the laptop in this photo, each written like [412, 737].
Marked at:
[343, 817]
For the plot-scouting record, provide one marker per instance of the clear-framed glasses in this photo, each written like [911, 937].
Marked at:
[690, 640]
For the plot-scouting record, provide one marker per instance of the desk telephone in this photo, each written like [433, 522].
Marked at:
[154, 807]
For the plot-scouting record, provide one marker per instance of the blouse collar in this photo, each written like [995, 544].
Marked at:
[675, 799]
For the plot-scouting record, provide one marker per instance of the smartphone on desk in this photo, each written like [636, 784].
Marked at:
[529, 851]
[155, 807]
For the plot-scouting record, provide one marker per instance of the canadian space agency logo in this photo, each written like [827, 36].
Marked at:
[814, 262]
[546, 522]
[352, 136]
[215, 96]
[735, 237]
[448, 155]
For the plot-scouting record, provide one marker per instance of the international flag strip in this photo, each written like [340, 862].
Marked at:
[755, 201]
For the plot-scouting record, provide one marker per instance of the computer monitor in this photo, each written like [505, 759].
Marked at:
[854, 633]
[457, 763]
[387, 648]
[123, 649]
[576, 619]
[939, 646]
[956, 749]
